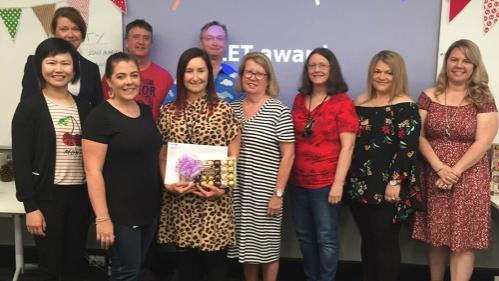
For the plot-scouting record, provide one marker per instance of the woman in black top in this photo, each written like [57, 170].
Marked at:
[48, 164]
[383, 184]
[121, 150]
[68, 24]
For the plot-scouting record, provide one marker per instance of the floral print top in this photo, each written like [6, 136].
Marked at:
[386, 149]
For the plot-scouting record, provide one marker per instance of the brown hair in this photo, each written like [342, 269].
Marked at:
[71, 14]
[396, 63]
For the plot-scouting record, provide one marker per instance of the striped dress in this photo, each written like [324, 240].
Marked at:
[258, 236]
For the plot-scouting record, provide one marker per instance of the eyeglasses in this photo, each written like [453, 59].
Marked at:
[258, 75]
[214, 38]
[321, 66]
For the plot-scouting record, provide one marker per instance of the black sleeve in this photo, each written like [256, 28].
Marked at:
[30, 81]
[23, 151]
[96, 94]
[96, 126]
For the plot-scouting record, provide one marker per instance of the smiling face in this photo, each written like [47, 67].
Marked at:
[57, 71]
[69, 31]
[458, 67]
[255, 78]
[139, 42]
[382, 78]
[196, 77]
[125, 80]
[318, 69]
[213, 41]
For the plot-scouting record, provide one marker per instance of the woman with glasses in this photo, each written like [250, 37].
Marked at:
[325, 125]
[383, 183]
[266, 157]
[198, 220]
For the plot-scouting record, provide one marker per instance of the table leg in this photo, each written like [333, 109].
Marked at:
[18, 242]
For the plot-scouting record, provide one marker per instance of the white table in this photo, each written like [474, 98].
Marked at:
[13, 208]
[494, 200]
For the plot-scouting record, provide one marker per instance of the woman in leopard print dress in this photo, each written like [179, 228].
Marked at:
[198, 221]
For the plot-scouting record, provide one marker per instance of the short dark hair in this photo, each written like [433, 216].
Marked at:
[52, 47]
[335, 83]
[73, 15]
[115, 58]
[138, 23]
[213, 23]
[183, 61]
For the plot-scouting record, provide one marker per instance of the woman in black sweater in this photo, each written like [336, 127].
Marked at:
[48, 164]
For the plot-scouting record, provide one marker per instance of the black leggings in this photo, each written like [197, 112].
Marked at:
[380, 247]
[195, 265]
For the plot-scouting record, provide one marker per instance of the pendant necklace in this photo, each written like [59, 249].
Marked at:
[308, 130]
[447, 119]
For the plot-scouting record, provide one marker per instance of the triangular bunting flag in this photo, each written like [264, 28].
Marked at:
[490, 14]
[120, 4]
[11, 17]
[44, 14]
[456, 6]
[81, 6]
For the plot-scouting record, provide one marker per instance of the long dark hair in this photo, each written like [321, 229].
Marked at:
[335, 83]
[184, 59]
[50, 48]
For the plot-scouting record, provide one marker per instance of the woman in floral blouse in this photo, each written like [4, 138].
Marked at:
[199, 221]
[383, 183]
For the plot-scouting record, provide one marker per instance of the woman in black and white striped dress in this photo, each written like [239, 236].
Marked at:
[265, 160]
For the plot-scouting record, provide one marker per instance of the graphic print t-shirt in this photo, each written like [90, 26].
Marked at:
[69, 159]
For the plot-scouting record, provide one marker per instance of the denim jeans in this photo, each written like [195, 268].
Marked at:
[129, 250]
[316, 225]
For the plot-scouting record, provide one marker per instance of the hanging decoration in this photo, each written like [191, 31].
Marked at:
[10, 18]
[44, 14]
[81, 6]
[120, 4]
[490, 14]
[456, 6]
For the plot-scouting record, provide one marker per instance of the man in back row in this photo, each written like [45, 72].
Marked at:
[155, 81]
[213, 40]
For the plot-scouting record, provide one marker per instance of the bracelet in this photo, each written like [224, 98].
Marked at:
[102, 219]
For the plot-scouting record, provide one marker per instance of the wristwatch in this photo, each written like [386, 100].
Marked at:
[279, 192]
[394, 182]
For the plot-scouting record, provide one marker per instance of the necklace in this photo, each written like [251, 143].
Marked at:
[447, 119]
[309, 125]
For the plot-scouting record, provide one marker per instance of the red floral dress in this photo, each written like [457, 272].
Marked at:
[458, 218]
[386, 149]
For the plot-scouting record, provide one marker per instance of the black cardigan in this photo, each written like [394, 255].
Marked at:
[90, 83]
[34, 149]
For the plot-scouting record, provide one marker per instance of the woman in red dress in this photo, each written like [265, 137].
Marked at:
[459, 120]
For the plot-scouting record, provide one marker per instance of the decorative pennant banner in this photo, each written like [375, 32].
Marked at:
[11, 17]
[456, 6]
[44, 14]
[81, 6]
[120, 4]
[490, 14]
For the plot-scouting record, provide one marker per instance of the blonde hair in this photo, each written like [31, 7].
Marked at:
[263, 61]
[399, 86]
[478, 91]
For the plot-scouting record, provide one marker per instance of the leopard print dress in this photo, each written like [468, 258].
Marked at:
[189, 221]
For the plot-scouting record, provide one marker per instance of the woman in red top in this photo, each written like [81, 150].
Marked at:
[325, 126]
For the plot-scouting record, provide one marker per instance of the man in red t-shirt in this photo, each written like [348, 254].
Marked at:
[155, 81]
